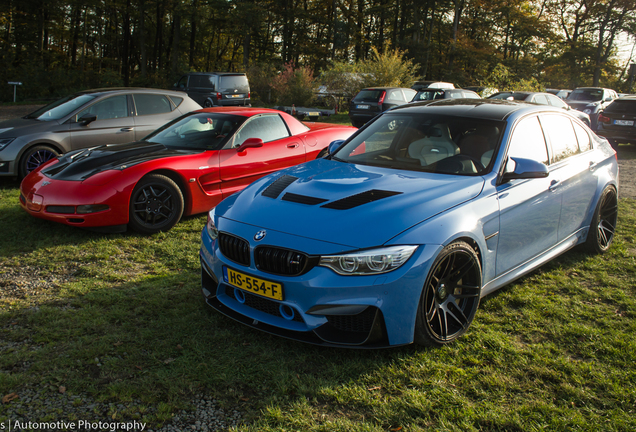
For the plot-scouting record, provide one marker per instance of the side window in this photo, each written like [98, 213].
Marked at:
[183, 82]
[268, 128]
[148, 104]
[409, 94]
[110, 108]
[585, 143]
[395, 95]
[540, 99]
[561, 134]
[555, 101]
[528, 141]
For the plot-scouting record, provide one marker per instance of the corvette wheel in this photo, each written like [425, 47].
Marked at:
[603, 226]
[450, 296]
[34, 157]
[156, 204]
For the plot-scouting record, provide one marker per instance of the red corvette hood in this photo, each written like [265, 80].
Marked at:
[82, 164]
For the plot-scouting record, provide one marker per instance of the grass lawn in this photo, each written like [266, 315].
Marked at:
[120, 317]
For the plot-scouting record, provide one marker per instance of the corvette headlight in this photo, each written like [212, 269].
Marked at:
[5, 142]
[368, 262]
[211, 227]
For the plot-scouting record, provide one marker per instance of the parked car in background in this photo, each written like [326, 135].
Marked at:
[86, 119]
[591, 101]
[398, 234]
[432, 94]
[216, 88]
[418, 85]
[183, 168]
[482, 91]
[371, 101]
[542, 99]
[617, 122]
[563, 94]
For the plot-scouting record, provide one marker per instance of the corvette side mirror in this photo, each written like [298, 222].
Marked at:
[250, 143]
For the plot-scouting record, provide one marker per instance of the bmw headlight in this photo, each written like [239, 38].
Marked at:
[368, 262]
[211, 227]
[5, 142]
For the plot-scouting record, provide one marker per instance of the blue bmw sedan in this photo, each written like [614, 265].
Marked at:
[398, 233]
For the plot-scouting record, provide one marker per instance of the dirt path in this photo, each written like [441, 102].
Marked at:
[626, 154]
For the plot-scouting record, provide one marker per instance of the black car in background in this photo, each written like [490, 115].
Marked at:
[428, 94]
[373, 100]
[216, 88]
[542, 99]
[591, 101]
[617, 122]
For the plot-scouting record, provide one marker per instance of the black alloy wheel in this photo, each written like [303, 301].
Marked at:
[450, 296]
[603, 225]
[156, 204]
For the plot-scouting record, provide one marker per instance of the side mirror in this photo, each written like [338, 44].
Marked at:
[519, 168]
[334, 145]
[250, 143]
[87, 119]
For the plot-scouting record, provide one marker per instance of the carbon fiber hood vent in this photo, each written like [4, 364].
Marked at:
[278, 186]
[360, 199]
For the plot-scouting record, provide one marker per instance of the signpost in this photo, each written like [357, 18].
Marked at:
[15, 85]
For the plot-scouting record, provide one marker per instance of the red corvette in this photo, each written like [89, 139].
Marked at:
[185, 167]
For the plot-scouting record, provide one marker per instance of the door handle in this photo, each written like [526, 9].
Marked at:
[292, 145]
[126, 129]
[554, 184]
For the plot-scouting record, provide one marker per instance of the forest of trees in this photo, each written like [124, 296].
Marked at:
[58, 46]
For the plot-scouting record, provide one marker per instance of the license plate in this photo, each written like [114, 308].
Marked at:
[313, 114]
[624, 122]
[236, 96]
[362, 106]
[253, 284]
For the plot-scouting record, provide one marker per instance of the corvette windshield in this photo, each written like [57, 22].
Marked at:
[61, 107]
[426, 142]
[201, 131]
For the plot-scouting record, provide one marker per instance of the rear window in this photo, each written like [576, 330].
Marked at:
[238, 82]
[622, 106]
[586, 95]
[510, 96]
[369, 95]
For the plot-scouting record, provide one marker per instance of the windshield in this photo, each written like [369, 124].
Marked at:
[424, 95]
[586, 95]
[61, 108]
[425, 142]
[203, 131]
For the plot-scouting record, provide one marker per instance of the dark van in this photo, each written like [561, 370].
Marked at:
[216, 88]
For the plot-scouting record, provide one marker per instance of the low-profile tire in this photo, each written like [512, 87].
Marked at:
[156, 204]
[450, 296]
[603, 226]
[34, 157]
[207, 104]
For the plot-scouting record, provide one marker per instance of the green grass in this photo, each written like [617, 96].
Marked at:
[120, 317]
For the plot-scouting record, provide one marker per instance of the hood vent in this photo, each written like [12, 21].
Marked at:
[302, 199]
[360, 199]
[278, 186]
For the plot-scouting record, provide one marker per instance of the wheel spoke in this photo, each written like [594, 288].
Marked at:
[460, 317]
[468, 291]
[443, 324]
[461, 272]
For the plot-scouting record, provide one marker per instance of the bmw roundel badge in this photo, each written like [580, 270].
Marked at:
[260, 235]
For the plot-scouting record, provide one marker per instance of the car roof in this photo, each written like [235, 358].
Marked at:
[214, 73]
[126, 90]
[488, 109]
[385, 88]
